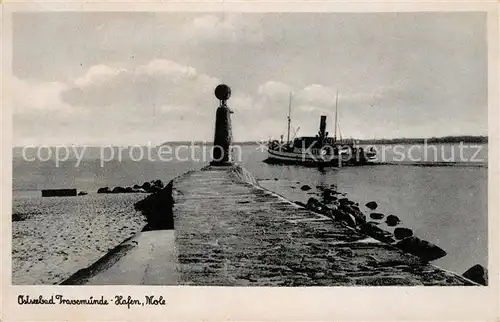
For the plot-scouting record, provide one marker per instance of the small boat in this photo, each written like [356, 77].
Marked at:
[319, 150]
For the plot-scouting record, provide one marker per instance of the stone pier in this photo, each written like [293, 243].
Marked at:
[229, 231]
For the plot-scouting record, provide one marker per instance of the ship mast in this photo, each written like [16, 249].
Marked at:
[336, 112]
[289, 118]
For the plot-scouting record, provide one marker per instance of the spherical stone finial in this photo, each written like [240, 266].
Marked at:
[222, 92]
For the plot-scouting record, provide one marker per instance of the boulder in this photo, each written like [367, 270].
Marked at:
[346, 217]
[300, 203]
[328, 195]
[314, 205]
[153, 186]
[276, 179]
[146, 186]
[157, 183]
[82, 193]
[377, 233]
[376, 215]
[360, 217]
[351, 210]
[330, 211]
[136, 186]
[103, 190]
[312, 201]
[402, 233]
[371, 205]
[392, 220]
[118, 190]
[305, 187]
[344, 201]
[478, 274]
[330, 199]
[421, 248]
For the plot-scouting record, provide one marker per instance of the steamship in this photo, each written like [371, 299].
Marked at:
[319, 150]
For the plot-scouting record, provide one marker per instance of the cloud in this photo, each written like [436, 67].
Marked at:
[242, 101]
[272, 98]
[230, 27]
[160, 83]
[323, 98]
[148, 99]
[97, 74]
[34, 95]
[274, 90]
[159, 67]
[318, 95]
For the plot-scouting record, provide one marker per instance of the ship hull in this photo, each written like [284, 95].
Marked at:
[309, 159]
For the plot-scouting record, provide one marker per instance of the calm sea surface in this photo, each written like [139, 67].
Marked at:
[446, 205]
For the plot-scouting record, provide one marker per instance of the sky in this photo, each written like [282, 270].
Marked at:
[136, 78]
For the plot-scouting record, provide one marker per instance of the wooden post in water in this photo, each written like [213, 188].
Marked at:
[223, 134]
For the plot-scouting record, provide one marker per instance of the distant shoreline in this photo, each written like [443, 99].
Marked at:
[438, 140]
[432, 140]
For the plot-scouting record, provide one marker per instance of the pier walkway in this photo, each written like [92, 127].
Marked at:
[230, 231]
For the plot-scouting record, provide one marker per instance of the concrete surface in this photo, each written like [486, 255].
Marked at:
[149, 258]
[232, 232]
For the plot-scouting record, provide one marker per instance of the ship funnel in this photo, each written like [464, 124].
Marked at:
[322, 126]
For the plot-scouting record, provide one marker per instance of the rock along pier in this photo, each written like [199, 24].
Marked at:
[218, 227]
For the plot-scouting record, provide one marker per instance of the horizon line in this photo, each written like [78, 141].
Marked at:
[437, 138]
